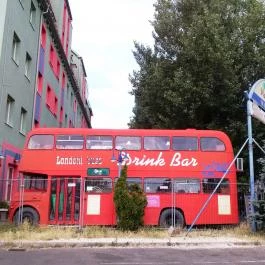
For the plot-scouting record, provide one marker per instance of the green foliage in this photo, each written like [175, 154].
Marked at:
[130, 202]
[206, 54]
[259, 214]
[259, 205]
[4, 205]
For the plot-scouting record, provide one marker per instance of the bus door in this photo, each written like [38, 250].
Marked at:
[64, 200]
[98, 201]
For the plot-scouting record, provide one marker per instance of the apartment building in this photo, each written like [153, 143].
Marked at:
[42, 81]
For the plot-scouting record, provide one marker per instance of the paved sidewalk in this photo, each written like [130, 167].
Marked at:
[177, 242]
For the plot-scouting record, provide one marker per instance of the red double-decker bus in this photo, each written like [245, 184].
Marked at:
[67, 176]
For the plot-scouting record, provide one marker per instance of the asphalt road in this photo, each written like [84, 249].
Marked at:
[134, 256]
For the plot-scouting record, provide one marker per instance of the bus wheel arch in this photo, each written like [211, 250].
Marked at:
[165, 218]
[30, 214]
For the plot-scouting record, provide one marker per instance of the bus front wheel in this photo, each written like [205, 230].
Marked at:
[168, 217]
[28, 215]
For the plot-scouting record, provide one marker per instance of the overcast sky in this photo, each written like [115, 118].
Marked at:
[103, 35]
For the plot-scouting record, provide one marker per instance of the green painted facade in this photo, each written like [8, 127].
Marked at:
[23, 59]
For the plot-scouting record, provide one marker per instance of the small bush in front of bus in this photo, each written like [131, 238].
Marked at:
[130, 202]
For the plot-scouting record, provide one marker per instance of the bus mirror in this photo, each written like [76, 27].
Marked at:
[239, 164]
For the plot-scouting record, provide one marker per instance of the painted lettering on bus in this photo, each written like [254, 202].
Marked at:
[94, 160]
[177, 160]
[69, 160]
[146, 161]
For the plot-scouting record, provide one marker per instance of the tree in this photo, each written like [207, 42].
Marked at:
[206, 54]
[130, 202]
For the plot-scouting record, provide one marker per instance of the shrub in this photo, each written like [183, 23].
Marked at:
[130, 202]
[4, 205]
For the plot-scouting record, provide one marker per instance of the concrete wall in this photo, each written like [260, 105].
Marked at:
[3, 4]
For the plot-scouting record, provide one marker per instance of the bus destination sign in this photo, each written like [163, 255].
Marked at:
[98, 171]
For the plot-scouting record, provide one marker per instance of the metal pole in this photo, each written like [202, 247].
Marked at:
[172, 206]
[119, 168]
[251, 164]
[81, 207]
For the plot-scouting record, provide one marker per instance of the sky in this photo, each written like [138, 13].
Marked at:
[103, 35]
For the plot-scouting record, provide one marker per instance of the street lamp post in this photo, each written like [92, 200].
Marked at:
[122, 157]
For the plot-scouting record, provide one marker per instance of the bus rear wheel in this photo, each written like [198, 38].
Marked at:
[167, 218]
[29, 215]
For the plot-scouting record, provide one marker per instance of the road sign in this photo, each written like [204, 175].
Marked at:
[257, 112]
[98, 172]
[257, 93]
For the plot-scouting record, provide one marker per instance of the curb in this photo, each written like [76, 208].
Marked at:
[22, 245]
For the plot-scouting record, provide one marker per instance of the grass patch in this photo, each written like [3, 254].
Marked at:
[26, 232]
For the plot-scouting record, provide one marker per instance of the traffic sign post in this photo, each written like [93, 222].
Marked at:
[255, 108]
[251, 163]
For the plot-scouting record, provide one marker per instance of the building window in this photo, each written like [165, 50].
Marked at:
[15, 48]
[36, 124]
[72, 100]
[23, 115]
[48, 97]
[32, 14]
[10, 110]
[75, 105]
[28, 65]
[40, 83]
[68, 91]
[55, 107]
[61, 116]
[58, 69]
[65, 120]
[52, 56]
[43, 36]
[9, 183]
[63, 80]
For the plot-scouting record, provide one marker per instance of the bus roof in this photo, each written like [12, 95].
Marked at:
[87, 131]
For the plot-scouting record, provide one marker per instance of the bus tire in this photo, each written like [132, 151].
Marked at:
[29, 215]
[166, 221]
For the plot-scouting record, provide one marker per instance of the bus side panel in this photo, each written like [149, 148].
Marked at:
[221, 209]
[35, 199]
[155, 204]
[99, 209]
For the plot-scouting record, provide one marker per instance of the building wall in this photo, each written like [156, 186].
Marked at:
[37, 86]
[15, 82]
[63, 16]
[77, 66]
[2, 22]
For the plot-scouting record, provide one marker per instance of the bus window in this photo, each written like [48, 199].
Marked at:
[185, 143]
[212, 144]
[99, 142]
[128, 142]
[210, 184]
[131, 181]
[186, 185]
[137, 181]
[102, 185]
[156, 143]
[69, 142]
[155, 185]
[35, 182]
[41, 141]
